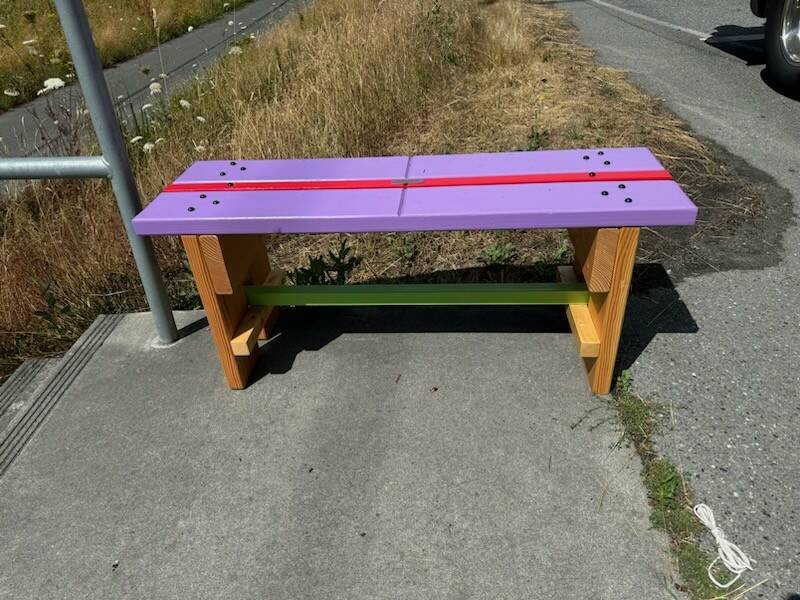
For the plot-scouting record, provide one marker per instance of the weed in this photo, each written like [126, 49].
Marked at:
[333, 269]
[669, 494]
[538, 138]
[55, 314]
[562, 253]
[497, 254]
[316, 273]
[406, 250]
[635, 415]
[663, 482]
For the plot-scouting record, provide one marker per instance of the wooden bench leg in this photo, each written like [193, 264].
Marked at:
[604, 258]
[222, 266]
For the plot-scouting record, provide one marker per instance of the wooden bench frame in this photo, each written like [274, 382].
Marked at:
[226, 266]
[601, 196]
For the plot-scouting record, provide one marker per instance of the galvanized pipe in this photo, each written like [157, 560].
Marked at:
[49, 167]
[101, 110]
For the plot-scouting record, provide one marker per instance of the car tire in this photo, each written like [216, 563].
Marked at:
[783, 61]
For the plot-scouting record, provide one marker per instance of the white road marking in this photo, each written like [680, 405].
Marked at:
[699, 34]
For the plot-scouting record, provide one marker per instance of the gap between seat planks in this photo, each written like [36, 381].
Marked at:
[602, 196]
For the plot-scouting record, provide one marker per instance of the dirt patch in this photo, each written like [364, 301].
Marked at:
[744, 215]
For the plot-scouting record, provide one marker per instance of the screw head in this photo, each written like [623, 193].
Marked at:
[222, 173]
[592, 174]
[601, 153]
[202, 195]
[585, 157]
[628, 200]
[604, 193]
[233, 163]
[215, 202]
[606, 162]
[621, 186]
[190, 209]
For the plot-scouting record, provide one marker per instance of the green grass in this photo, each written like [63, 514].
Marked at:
[497, 254]
[669, 494]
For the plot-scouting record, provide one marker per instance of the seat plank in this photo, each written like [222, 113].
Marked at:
[621, 203]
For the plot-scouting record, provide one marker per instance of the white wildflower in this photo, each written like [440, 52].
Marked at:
[226, 5]
[155, 88]
[201, 119]
[148, 147]
[55, 60]
[200, 148]
[252, 36]
[190, 29]
[146, 106]
[185, 103]
[235, 50]
[159, 140]
[138, 138]
[230, 23]
[121, 97]
[29, 42]
[163, 75]
[2, 26]
[53, 83]
[11, 92]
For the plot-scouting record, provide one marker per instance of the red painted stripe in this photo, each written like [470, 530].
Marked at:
[371, 184]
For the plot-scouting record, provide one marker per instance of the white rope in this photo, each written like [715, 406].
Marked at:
[736, 561]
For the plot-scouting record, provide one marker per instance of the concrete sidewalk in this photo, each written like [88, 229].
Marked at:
[420, 453]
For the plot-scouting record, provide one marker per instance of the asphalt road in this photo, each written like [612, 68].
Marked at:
[734, 383]
[29, 129]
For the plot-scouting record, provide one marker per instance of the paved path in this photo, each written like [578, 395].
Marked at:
[29, 129]
[734, 384]
[380, 453]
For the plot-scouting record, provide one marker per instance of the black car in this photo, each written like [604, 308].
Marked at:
[782, 39]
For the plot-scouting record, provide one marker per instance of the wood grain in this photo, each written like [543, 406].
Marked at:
[607, 311]
[250, 330]
[594, 255]
[580, 320]
[254, 325]
[234, 259]
[224, 311]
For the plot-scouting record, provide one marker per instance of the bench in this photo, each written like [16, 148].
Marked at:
[222, 210]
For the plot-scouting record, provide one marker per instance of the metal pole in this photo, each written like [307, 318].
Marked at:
[48, 167]
[101, 110]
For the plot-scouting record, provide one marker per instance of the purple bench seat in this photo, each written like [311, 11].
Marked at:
[601, 202]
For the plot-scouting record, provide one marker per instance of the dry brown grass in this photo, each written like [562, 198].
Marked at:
[121, 29]
[348, 78]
